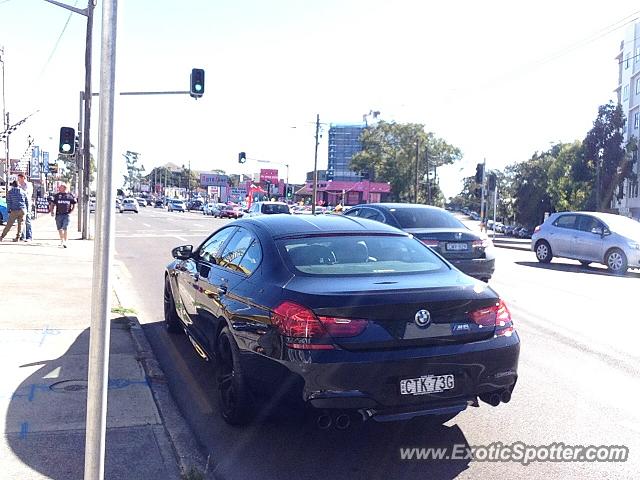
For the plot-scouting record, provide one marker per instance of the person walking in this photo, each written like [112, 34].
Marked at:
[61, 206]
[17, 206]
[27, 234]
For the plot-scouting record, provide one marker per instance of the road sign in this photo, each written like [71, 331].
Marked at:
[45, 162]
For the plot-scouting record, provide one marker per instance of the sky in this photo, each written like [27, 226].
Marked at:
[498, 79]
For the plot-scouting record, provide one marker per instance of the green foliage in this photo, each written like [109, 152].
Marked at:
[134, 172]
[389, 155]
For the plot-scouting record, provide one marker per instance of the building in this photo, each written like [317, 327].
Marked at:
[344, 143]
[334, 192]
[629, 97]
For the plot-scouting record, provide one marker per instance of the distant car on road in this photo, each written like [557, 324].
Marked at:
[141, 202]
[471, 252]
[176, 206]
[129, 205]
[589, 237]
[351, 317]
[195, 205]
[231, 211]
[213, 209]
[158, 204]
[268, 208]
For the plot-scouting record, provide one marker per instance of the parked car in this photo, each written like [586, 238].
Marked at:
[158, 204]
[176, 206]
[471, 252]
[231, 211]
[141, 202]
[589, 237]
[118, 205]
[129, 205]
[523, 232]
[4, 212]
[347, 315]
[267, 208]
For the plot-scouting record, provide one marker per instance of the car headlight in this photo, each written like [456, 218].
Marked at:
[634, 245]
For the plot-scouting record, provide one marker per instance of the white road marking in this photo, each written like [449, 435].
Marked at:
[182, 238]
[146, 225]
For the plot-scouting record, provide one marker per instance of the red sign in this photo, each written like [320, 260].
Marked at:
[18, 166]
[268, 175]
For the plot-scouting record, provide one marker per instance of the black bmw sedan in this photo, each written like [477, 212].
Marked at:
[350, 316]
[471, 252]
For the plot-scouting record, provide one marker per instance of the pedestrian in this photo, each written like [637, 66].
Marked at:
[27, 234]
[17, 206]
[61, 206]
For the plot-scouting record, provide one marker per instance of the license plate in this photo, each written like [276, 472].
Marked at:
[426, 384]
[456, 246]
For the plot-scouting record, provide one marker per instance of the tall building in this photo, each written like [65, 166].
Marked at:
[344, 143]
[629, 97]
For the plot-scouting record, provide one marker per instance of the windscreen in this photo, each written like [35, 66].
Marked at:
[425, 218]
[273, 208]
[359, 254]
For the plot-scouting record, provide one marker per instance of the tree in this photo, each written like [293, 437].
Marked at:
[603, 148]
[134, 172]
[530, 179]
[389, 155]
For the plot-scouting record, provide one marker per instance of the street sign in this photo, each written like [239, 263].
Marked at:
[42, 205]
[35, 162]
[45, 162]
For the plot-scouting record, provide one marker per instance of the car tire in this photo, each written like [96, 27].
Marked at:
[585, 263]
[616, 261]
[171, 320]
[543, 251]
[234, 396]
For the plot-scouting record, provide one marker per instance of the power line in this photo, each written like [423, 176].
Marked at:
[55, 47]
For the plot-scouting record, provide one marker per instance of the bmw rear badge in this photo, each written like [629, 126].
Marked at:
[423, 318]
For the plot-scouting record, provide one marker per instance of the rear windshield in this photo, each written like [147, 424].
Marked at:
[356, 255]
[273, 208]
[425, 218]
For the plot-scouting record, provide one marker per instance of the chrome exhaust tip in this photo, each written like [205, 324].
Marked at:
[324, 421]
[343, 421]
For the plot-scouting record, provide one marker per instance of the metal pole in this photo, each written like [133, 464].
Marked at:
[426, 159]
[495, 207]
[80, 162]
[484, 168]
[102, 255]
[5, 118]
[315, 168]
[417, 167]
[86, 146]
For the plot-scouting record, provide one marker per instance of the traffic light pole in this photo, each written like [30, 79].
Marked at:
[482, 193]
[315, 168]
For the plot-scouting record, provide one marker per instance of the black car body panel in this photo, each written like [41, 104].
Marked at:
[362, 371]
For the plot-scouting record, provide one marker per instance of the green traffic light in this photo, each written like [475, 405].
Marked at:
[198, 87]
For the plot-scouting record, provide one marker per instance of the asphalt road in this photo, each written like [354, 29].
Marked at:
[578, 377]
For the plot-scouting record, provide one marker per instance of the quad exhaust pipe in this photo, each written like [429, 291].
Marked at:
[495, 398]
[341, 420]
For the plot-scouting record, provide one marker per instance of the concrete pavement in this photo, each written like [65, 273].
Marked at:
[44, 321]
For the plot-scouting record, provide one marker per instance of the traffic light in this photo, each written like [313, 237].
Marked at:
[67, 144]
[289, 191]
[479, 172]
[197, 83]
[242, 157]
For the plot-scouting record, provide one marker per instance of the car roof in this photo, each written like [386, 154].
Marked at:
[390, 206]
[291, 225]
[268, 202]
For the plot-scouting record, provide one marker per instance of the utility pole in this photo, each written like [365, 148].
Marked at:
[5, 120]
[598, 181]
[103, 248]
[482, 213]
[417, 167]
[426, 159]
[315, 168]
[189, 180]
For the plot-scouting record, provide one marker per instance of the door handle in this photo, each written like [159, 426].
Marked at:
[222, 289]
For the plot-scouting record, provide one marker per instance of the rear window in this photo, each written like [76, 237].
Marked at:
[342, 255]
[273, 208]
[425, 218]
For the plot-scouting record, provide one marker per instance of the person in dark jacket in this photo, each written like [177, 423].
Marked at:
[17, 206]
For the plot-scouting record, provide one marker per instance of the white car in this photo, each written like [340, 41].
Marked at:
[176, 206]
[129, 205]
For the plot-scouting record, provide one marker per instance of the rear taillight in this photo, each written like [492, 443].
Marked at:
[497, 316]
[484, 243]
[305, 331]
[429, 242]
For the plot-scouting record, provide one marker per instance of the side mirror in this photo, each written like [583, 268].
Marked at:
[597, 231]
[183, 252]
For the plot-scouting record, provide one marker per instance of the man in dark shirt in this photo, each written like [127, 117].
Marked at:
[61, 206]
[17, 206]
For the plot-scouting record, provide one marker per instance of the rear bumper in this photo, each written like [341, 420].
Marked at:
[477, 267]
[371, 380]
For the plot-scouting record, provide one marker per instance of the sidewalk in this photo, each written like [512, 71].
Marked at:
[45, 308]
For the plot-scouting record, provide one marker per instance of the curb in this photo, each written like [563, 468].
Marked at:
[184, 448]
[511, 247]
